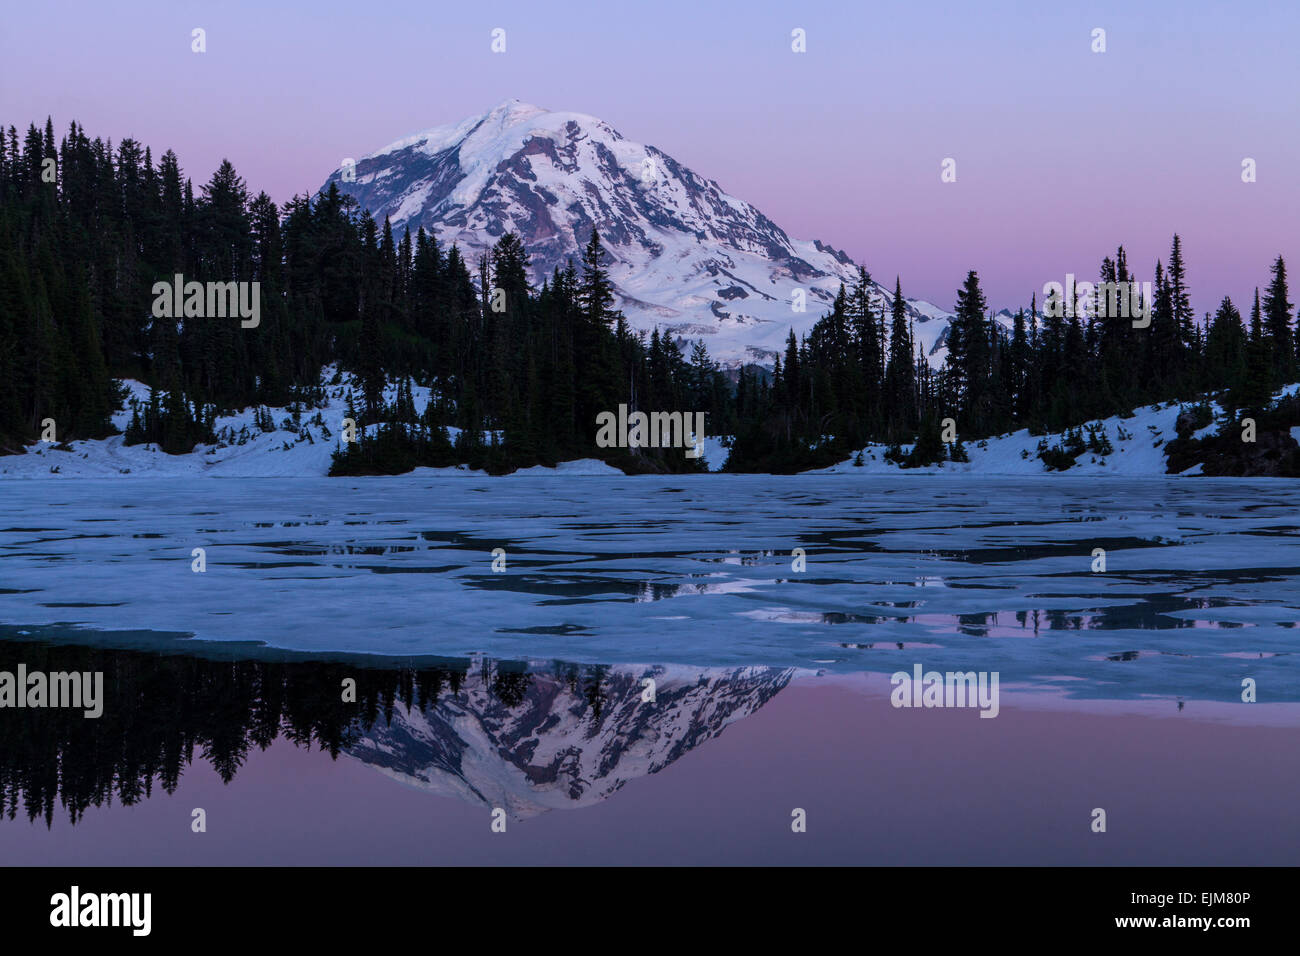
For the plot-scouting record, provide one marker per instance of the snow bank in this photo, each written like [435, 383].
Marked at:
[1139, 445]
[244, 451]
[305, 449]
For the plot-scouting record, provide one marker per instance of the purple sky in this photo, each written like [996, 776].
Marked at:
[1061, 153]
[1018, 790]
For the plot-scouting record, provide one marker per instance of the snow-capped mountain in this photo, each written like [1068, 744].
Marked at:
[684, 255]
[552, 748]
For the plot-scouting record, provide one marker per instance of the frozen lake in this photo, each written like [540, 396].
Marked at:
[1201, 586]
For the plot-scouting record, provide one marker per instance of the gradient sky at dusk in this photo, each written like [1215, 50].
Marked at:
[1061, 153]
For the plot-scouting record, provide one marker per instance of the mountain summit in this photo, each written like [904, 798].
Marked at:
[683, 254]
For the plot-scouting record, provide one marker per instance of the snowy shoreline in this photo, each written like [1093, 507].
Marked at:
[303, 448]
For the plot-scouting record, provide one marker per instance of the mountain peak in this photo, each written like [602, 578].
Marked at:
[684, 255]
[514, 102]
[511, 112]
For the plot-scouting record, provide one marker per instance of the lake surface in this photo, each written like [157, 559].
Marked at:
[1201, 586]
[522, 692]
[580, 770]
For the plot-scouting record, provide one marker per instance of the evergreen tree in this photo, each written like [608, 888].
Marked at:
[1256, 391]
[1277, 325]
[900, 376]
[969, 356]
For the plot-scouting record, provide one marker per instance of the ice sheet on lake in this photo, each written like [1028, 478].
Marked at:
[1200, 588]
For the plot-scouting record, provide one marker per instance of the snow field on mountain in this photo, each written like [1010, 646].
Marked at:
[684, 255]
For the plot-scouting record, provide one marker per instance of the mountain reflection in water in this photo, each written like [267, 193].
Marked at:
[525, 737]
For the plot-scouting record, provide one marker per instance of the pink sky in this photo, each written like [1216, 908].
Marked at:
[1062, 153]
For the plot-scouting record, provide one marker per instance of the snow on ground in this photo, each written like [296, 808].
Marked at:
[715, 453]
[245, 451]
[583, 466]
[1139, 445]
[281, 453]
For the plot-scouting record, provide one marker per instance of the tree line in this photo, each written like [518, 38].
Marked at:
[858, 376]
[520, 371]
[163, 707]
